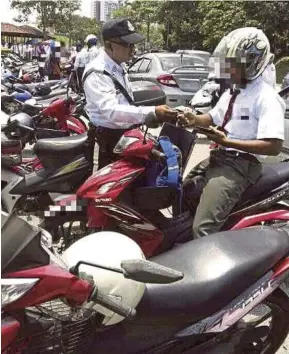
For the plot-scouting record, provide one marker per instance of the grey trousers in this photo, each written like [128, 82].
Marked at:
[226, 177]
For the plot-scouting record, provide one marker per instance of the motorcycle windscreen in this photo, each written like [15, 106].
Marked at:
[182, 138]
[21, 245]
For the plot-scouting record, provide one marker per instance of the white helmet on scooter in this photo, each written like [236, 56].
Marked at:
[109, 249]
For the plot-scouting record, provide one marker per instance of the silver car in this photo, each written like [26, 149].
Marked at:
[180, 76]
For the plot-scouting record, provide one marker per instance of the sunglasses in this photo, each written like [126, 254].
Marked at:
[124, 44]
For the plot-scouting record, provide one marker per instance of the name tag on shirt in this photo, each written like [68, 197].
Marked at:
[244, 117]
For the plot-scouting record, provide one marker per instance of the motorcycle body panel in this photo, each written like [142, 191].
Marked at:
[54, 282]
[60, 180]
[10, 327]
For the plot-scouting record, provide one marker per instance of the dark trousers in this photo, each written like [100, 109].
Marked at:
[79, 73]
[107, 140]
[226, 177]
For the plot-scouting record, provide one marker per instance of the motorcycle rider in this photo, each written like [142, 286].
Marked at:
[250, 116]
[109, 96]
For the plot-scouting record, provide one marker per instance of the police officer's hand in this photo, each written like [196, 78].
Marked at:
[165, 114]
[187, 119]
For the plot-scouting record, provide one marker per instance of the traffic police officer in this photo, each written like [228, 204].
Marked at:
[109, 93]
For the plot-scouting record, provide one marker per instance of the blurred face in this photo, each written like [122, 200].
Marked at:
[229, 69]
[119, 50]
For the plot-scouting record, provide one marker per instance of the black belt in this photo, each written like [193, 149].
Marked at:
[116, 131]
[243, 155]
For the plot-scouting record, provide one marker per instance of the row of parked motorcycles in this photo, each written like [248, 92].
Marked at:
[80, 281]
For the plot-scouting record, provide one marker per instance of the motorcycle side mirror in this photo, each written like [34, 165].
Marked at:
[148, 272]
[151, 121]
[139, 270]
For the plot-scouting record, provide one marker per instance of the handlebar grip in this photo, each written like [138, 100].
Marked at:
[108, 302]
[159, 155]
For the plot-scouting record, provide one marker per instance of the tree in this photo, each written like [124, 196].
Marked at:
[82, 26]
[274, 20]
[142, 14]
[221, 17]
[202, 24]
[50, 13]
[181, 24]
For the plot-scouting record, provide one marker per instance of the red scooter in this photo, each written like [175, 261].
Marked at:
[124, 196]
[55, 120]
[204, 306]
[43, 301]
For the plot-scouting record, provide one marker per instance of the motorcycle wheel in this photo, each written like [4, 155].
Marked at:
[264, 332]
[275, 320]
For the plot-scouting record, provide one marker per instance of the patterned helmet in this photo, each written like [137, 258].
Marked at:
[248, 46]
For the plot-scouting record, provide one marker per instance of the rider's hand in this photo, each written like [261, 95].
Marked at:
[218, 136]
[165, 114]
[187, 119]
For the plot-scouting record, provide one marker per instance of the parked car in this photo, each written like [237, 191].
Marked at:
[285, 150]
[180, 76]
[196, 53]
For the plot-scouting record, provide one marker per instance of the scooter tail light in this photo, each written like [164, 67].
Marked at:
[13, 289]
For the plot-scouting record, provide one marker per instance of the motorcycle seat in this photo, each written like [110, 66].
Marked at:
[217, 269]
[60, 147]
[32, 86]
[273, 176]
[53, 94]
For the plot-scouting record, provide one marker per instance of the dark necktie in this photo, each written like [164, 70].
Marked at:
[228, 115]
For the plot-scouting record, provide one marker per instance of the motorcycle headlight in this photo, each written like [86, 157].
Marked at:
[123, 143]
[13, 289]
[105, 188]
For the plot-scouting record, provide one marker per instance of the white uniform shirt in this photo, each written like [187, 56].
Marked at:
[85, 56]
[106, 106]
[269, 75]
[81, 59]
[92, 53]
[258, 113]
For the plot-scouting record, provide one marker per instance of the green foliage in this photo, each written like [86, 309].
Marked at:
[171, 24]
[59, 15]
[61, 38]
[144, 16]
[282, 68]
[82, 26]
[46, 11]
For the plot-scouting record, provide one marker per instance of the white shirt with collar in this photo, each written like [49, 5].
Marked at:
[81, 59]
[258, 113]
[92, 53]
[269, 75]
[106, 106]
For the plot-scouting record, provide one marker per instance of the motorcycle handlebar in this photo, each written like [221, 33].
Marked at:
[108, 302]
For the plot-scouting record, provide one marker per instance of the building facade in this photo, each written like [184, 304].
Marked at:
[102, 9]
